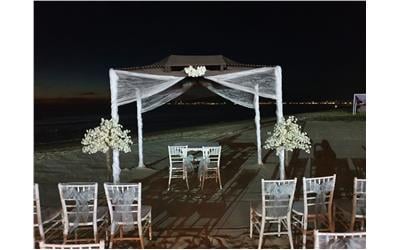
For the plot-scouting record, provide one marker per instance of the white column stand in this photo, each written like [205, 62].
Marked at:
[140, 127]
[257, 122]
[114, 115]
[279, 116]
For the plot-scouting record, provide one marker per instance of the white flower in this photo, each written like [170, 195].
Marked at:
[109, 135]
[287, 135]
[195, 72]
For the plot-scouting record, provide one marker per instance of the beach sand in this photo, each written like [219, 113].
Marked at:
[212, 218]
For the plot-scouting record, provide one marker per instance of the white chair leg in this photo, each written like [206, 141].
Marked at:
[187, 181]
[150, 229]
[260, 241]
[141, 241]
[111, 241]
[304, 233]
[279, 227]
[219, 178]
[289, 228]
[352, 223]
[169, 179]
[41, 232]
[65, 235]
[95, 231]
[251, 222]
[141, 238]
[112, 232]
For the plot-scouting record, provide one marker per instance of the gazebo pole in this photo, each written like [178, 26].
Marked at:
[114, 115]
[257, 121]
[140, 127]
[279, 116]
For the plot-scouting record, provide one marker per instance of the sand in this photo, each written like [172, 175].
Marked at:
[212, 218]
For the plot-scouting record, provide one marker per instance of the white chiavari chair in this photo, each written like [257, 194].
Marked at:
[315, 207]
[212, 156]
[177, 154]
[339, 240]
[127, 212]
[275, 208]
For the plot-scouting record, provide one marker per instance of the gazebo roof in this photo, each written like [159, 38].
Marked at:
[174, 65]
[184, 60]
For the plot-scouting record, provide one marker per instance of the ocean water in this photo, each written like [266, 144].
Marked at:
[65, 124]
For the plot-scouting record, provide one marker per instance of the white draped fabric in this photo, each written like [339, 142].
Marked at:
[151, 91]
[236, 96]
[149, 85]
[245, 81]
[245, 87]
[359, 100]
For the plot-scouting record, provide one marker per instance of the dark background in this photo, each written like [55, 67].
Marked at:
[319, 45]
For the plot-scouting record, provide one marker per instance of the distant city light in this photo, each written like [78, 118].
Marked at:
[327, 102]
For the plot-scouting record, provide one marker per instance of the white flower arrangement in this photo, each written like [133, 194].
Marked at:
[109, 135]
[287, 136]
[195, 72]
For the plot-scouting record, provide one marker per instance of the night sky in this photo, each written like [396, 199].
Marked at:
[320, 46]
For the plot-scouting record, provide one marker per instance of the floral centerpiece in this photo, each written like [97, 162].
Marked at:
[106, 137]
[195, 72]
[287, 136]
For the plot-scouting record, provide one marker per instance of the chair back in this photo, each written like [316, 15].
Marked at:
[318, 194]
[213, 154]
[359, 197]
[277, 197]
[99, 245]
[339, 240]
[37, 214]
[176, 155]
[79, 203]
[124, 203]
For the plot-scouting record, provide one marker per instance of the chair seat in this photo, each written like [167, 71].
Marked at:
[298, 208]
[272, 213]
[145, 213]
[257, 207]
[102, 212]
[50, 214]
[346, 206]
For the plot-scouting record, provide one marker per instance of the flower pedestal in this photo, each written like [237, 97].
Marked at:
[282, 164]
[109, 165]
[108, 138]
[287, 136]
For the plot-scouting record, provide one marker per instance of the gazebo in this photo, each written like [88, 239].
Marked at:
[154, 85]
